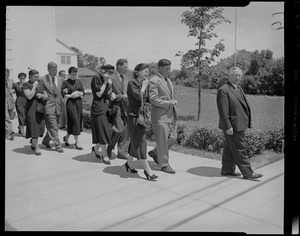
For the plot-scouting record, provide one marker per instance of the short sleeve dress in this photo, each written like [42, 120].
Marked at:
[73, 106]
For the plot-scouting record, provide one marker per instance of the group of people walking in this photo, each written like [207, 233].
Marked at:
[113, 90]
[115, 112]
[39, 106]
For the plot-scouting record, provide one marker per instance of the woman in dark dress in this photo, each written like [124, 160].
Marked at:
[101, 86]
[73, 90]
[137, 132]
[20, 102]
[35, 92]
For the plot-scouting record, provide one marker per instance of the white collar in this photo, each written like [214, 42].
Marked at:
[234, 85]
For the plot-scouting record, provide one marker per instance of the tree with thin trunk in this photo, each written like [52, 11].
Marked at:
[201, 22]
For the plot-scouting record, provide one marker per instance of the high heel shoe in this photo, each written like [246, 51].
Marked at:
[150, 177]
[67, 144]
[78, 148]
[128, 168]
[97, 155]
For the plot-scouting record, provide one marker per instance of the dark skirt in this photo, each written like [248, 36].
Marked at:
[35, 125]
[137, 134]
[21, 114]
[101, 129]
[74, 116]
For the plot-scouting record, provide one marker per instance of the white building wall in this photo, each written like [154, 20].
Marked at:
[31, 38]
[61, 50]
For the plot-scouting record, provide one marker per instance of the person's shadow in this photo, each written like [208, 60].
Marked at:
[121, 171]
[24, 150]
[206, 171]
[88, 157]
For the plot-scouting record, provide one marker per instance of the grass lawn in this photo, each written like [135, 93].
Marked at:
[267, 112]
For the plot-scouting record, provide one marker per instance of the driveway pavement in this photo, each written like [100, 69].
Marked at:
[74, 191]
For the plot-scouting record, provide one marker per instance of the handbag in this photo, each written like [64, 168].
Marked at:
[113, 109]
[144, 116]
[40, 107]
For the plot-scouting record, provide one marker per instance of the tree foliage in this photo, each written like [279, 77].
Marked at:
[201, 22]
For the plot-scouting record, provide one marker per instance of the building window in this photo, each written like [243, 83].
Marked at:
[66, 60]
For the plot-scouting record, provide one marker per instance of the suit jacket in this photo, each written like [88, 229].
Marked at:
[53, 105]
[234, 111]
[159, 97]
[117, 89]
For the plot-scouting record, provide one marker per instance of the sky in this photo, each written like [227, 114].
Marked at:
[148, 34]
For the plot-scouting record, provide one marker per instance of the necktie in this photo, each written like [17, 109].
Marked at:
[55, 90]
[122, 83]
[169, 86]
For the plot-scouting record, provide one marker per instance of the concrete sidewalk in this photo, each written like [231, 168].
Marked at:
[73, 191]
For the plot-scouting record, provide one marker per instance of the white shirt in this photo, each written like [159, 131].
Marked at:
[234, 85]
[55, 80]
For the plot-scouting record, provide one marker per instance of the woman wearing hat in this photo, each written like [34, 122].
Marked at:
[101, 86]
[137, 132]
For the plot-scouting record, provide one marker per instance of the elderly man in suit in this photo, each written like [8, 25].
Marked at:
[52, 84]
[119, 96]
[234, 119]
[163, 115]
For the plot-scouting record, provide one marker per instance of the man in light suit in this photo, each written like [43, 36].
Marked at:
[119, 96]
[163, 115]
[235, 118]
[52, 84]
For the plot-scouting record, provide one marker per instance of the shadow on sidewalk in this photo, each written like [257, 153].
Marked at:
[121, 171]
[206, 171]
[24, 150]
[88, 157]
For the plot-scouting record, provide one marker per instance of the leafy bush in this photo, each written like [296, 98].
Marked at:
[275, 137]
[206, 139]
[86, 119]
[255, 141]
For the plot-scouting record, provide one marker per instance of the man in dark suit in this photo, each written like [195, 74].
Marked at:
[235, 118]
[52, 84]
[119, 96]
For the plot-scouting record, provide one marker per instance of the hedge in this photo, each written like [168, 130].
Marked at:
[212, 140]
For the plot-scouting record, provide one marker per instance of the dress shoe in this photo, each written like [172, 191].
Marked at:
[122, 157]
[150, 177]
[38, 153]
[97, 155]
[47, 145]
[168, 169]
[129, 169]
[66, 143]
[109, 151]
[253, 176]
[153, 155]
[107, 162]
[230, 173]
[12, 136]
[60, 150]
[77, 147]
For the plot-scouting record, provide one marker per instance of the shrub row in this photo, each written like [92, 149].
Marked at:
[212, 140]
